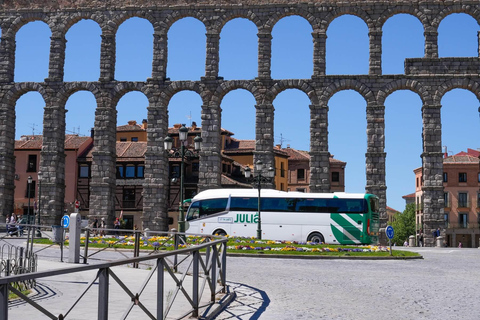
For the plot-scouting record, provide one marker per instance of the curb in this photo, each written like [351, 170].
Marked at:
[319, 257]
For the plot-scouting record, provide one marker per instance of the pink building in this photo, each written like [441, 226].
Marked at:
[461, 183]
[27, 164]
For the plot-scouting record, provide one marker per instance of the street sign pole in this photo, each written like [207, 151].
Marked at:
[390, 233]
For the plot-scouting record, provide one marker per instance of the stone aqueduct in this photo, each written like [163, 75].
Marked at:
[430, 77]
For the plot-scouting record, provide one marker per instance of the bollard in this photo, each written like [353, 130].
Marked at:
[440, 241]
[411, 241]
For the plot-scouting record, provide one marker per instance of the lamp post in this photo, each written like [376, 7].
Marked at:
[39, 174]
[258, 180]
[183, 154]
[29, 180]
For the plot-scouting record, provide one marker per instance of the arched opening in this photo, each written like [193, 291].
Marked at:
[238, 50]
[402, 38]
[403, 145]
[292, 49]
[238, 114]
[186, 50]
[458, 36]
[347, 139]
[347, 46]
[134, 54]
[82, 53]
[32, 52]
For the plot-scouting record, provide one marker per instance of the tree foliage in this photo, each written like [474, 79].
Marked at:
[404, 224]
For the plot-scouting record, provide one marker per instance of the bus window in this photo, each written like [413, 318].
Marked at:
[194, 211]
[244, 204]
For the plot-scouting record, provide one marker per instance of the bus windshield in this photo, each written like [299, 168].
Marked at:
[204, 208]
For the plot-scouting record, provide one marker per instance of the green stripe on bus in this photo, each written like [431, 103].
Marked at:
[350, 228]
[340, 236]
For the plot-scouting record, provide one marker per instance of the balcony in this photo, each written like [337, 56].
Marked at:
[467, 225]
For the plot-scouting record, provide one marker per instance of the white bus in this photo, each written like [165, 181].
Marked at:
[334, 218]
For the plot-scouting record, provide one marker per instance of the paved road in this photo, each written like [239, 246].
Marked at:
[444, 285]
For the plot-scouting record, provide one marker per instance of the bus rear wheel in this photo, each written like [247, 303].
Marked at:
[220, 232]
[316, 237]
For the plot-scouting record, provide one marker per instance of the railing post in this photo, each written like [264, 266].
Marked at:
[224, 267]
[103, 279]
[85, 252]
[136, 248]
[4, 301]
[214, 273]
[175, 246]
[160, 288]
[195, 299]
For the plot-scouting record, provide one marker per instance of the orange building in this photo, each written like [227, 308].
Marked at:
[461, 182]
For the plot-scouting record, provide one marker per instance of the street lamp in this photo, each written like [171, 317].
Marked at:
[258, 180]
[39, 174]
[29, 180]
[184, 154]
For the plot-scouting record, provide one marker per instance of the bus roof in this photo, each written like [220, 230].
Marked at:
[271, 193]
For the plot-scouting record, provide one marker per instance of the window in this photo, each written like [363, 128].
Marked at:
[140, 171]
[478, 200]
[300, 189]
[445, 217]
[224, 167]
[445, 177]
[462, 200]
[479, 177]
[123, 139]
[32, 163]
[282, 186]
[134, 139]
[130, 171]
[120, 172]
[175, 173]
[30, 191]
[300, 174]
[282, 170]
[462, 177]
[128, 198]
[84, 171]
[463, 220]
[335, 176]
[418, 184]
[445, 199]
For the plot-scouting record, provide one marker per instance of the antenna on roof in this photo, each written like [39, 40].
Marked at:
[189, 117]
[33, 125]
[282, 140]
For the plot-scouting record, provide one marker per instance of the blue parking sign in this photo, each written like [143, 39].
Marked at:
[389, 232]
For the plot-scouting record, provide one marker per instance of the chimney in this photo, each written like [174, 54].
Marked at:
[92, 133]
[144, 124]
[132, 122]
[194, 125]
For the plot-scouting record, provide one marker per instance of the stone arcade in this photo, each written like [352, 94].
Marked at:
[430, 77]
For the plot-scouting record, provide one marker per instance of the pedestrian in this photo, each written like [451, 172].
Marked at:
[116, 225]
[103, 225]
[405, 244]
[95, 226]
[438, 232]
[420, 238]
[460, 244]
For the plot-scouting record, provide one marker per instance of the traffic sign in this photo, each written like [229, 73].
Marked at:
[389, 232]
[65, 221]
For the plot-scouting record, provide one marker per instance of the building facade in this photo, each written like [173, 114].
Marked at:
[461, 196]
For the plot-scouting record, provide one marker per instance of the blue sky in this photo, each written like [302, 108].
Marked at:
[347, 53]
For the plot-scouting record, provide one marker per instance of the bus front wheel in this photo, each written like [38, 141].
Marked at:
[316, 237]
[220, 232]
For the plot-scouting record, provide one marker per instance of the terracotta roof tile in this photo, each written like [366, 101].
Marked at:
[72, 141]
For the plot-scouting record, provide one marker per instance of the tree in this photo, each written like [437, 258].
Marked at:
[404, 224]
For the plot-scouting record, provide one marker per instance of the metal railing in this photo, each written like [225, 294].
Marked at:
[16, 260]
[204, 261]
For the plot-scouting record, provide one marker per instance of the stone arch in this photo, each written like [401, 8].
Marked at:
[282, 85]
[22, 20]
[350, 10]
[392, 11]
[77, 17]
[178, 86]
[18, 90]
[177, 15]
[458, 83]
[472, 11]
[231, 15]
[285, 12]
[74, 87]
[230, 86]
[403, 84]
[349, 84]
